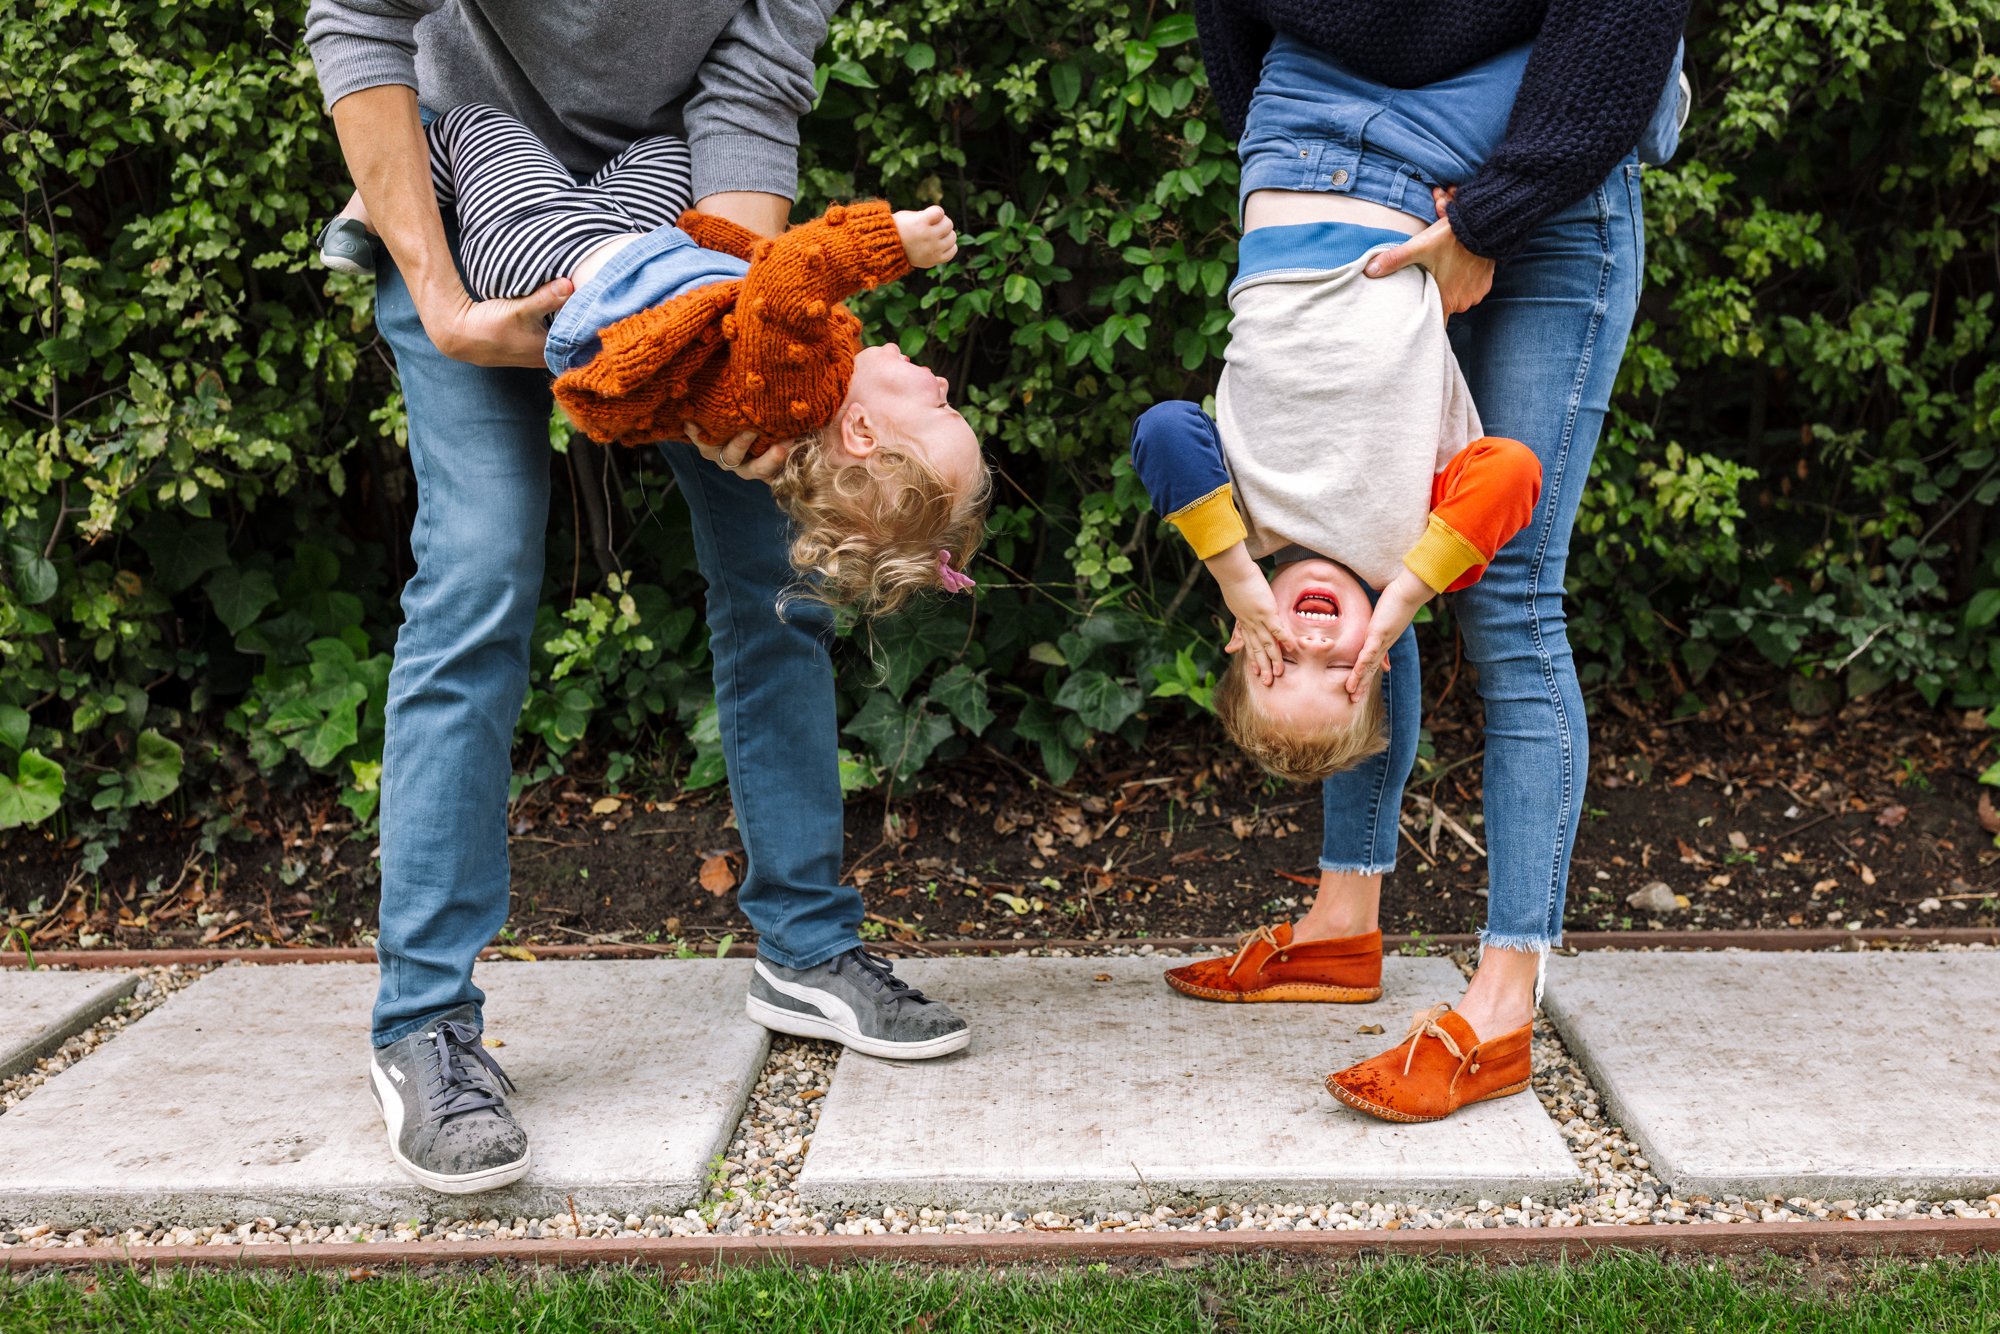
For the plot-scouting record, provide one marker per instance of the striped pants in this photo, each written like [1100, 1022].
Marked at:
[523, 219]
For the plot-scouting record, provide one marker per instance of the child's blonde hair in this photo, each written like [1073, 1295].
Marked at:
[871, 534]
[1299, 755]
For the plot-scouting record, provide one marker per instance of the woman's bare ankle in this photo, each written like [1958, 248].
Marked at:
[1334, 925]
[1501, 996]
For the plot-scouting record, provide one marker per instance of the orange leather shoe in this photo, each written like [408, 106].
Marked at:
[1439, 1067]
[1267, 966]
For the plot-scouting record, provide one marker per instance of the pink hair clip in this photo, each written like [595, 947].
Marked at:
[955, 581]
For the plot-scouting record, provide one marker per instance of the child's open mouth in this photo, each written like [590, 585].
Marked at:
[1316, 604]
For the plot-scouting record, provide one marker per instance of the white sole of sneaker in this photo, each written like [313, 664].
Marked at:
[390, 1103]
[780, 1020]
[340, 264]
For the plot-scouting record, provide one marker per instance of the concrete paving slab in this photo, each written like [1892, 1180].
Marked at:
[1078, 1092]
[1834, 1076]
[39, 1009]
[246, 1095]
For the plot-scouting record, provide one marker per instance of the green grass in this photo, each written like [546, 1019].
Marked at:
[1627, 1294]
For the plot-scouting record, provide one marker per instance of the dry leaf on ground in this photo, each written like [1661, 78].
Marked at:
[717, 876]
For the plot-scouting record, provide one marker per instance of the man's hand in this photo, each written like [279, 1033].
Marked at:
[1260, 634]
[735, 456]
[928, 237]
[1463, 278]
[1394, 611]
[503, 332]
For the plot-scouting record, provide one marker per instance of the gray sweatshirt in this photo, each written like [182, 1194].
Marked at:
[590, 76]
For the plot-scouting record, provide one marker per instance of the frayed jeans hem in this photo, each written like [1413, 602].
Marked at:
[1527, 944]
[1357, 868]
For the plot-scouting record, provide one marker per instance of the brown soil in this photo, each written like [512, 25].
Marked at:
[1755, 816]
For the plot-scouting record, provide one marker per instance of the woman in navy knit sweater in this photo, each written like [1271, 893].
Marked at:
[1536, 247]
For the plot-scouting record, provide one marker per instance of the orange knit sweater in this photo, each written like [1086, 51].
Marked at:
[770, 352]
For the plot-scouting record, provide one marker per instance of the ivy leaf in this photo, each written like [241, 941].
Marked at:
[239, 596]
[1173, 30]
[915, 642]
[706, 771]
[34, 574]
[901, 738]
[34, 794]
[920, 57]
[963, 692]
[1102, 703]
[13, 727]
[156, 770]
[1049, 730]
[182, 553]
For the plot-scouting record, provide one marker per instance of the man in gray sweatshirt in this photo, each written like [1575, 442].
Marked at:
[734, 77]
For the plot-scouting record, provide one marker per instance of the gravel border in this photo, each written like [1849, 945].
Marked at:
[751, 1193]
[154, 986]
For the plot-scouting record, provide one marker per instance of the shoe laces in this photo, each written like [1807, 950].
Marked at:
[1249, 940]
[457, 1086]
[881, 976]
[1426, 1025]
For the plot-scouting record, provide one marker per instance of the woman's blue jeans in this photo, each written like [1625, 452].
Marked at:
[1541, 354]
[479, 444]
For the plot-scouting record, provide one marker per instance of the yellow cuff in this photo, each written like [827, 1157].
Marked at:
[1211, 524]
[1441, 556]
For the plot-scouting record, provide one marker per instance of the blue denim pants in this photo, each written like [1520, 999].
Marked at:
[479, 445]
[1541, 354]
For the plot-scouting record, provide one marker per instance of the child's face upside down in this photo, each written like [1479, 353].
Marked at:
[1327, 610]
[904, 403]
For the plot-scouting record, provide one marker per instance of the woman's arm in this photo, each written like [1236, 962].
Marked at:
[1591, 85]
[1233, 44]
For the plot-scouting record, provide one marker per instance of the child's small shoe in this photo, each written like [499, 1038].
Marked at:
[1439, 1067]
[1269, 967]
[345, 246]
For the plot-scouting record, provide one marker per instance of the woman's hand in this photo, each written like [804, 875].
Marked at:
[1463, 278]
[928, 237]
[736, 457]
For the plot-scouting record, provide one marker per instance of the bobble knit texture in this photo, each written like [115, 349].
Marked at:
[771, 352]
[1597, 72]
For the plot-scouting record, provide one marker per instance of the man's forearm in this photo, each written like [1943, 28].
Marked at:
[383, 141]
[766, 215]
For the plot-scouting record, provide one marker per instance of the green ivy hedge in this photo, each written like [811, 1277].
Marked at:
[203, 495]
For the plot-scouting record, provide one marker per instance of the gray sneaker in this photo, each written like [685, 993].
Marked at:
[854, 1000]
[345, 247]
[441, 1097]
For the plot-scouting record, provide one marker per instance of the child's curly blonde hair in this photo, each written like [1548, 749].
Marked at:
[1296, 755]
[871, 534]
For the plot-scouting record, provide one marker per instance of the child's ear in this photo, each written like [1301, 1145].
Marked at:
[855, 432]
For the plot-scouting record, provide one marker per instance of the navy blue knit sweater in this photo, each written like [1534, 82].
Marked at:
[1596, 74]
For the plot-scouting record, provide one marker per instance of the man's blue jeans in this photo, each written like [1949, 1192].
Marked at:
[479, 443]
[1541, 354]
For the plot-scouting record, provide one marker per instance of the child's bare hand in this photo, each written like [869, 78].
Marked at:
[1394, 611]
[1261, 634]
[928, 237]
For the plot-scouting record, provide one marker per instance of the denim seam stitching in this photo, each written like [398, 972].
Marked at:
[1552, 888]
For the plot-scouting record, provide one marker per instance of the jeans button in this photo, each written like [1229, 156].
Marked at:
[1340, 176]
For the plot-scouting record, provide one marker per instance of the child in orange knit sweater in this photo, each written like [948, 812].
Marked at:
[699, 329]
